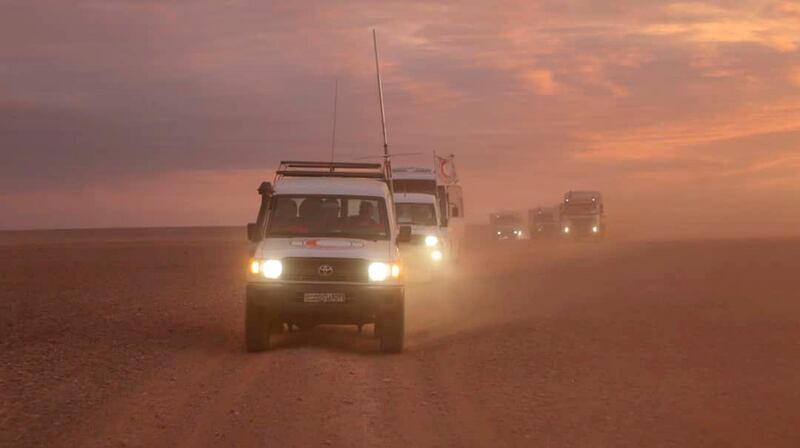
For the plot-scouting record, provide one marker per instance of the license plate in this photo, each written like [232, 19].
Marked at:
[324, 297]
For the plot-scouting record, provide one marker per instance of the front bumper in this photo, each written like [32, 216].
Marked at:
[581, 231]
[362, 304]
[508, 236]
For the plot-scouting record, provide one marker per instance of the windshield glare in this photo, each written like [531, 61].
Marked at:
[328, 216]
[417, 214]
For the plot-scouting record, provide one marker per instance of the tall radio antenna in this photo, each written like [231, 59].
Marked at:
[335, 103]
[386, 157]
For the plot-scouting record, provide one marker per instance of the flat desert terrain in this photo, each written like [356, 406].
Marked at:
[134, 338]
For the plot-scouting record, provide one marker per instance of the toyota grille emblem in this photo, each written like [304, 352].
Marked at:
[325, 270]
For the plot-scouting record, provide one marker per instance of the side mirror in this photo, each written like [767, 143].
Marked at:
[405, 234]
[253, 233]
[455, 212]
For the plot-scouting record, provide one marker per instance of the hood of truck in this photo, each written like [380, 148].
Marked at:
[278, 248]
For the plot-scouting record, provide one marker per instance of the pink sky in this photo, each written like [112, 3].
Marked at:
[140, 113]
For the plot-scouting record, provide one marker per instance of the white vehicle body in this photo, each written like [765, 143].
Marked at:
[427, 234]
[325, 252]
[455, 230]
[385, 250]
[508, 226]
[543, 222]
[448, 197]
[582, 214]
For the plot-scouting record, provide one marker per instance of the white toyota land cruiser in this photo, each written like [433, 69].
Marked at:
[325, 252]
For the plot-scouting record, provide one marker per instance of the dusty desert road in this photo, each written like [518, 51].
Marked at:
[134, 338]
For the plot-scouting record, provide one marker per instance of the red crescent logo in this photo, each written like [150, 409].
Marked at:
[443, 167]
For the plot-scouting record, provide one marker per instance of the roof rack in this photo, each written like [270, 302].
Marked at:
[298, 168]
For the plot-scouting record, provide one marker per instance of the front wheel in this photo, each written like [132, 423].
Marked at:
[259, 324]
[391, 329]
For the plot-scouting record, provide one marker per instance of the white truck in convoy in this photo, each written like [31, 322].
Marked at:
[421, 212]
[434, 210]
[508, 226]
[325, 251]
[543, 222]
[582, 215]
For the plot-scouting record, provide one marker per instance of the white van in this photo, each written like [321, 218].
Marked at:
[325, 253]
[449, 204]
[428, 243]
[582, 214]
[508, 226]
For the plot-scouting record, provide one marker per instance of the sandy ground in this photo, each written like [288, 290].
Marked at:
[136, 340]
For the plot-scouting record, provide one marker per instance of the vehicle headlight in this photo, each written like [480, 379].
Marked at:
[566, 229]
[499, 232]
[518, 232]
[271, 268]
[431, 240]
[378, 271]
[595, 229]
[436, 255]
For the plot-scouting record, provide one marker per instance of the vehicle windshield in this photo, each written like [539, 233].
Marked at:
[425, 186]
[580, 208]
[328, 216]
[417, 214]
[543, 217]
[507, 220]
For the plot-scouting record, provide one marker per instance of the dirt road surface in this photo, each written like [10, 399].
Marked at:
[134, 338]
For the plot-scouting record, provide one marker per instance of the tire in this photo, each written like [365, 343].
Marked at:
[392, 329]
[258, 326]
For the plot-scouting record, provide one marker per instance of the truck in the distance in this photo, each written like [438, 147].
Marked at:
[582, 215]
[508, 226]
[543, 222]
